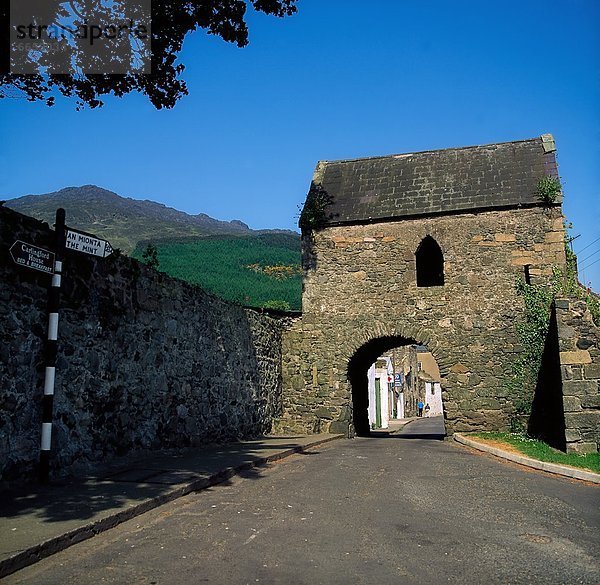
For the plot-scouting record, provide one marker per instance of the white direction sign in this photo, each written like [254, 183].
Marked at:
[87, 244]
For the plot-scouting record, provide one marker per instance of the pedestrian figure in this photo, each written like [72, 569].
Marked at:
[420, 407]
[427, 409]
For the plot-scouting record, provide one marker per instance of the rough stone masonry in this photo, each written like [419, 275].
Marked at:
[145, 361]
[360, 297]
[579, 356]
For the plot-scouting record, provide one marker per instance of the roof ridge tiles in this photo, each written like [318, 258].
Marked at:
[429, 151]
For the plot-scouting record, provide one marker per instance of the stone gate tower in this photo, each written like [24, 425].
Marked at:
[419, 248]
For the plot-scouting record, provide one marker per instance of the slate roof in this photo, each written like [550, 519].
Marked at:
[436, 182]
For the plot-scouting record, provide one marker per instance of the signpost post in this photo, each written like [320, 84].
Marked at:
[51, 348]
[30, 256]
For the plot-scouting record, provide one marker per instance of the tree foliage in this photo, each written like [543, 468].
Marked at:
[277, 305]
[150, 256]
[171, 21]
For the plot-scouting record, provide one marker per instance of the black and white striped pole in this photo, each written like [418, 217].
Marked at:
[51, 348]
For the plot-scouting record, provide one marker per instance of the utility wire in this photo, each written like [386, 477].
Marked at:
[589, 265]
[592, 254]
[582, 249]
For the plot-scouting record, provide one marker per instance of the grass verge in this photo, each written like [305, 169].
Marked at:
[541, 451]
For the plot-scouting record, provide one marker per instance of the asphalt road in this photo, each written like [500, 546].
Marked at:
[371, 510]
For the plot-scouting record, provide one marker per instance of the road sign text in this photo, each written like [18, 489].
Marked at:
[31, 256]
[87, 244]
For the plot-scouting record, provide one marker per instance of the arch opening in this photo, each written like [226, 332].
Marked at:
[430, 263]
[391, 377]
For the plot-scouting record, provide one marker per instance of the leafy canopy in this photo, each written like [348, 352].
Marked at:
[171, 21]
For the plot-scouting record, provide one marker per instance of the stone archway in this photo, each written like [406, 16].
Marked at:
[366, 333]
[357, 377]
[368, 343]
[318, 367]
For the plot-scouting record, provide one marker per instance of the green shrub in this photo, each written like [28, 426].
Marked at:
[314, 213]
[277, 305]
[548, 189]
[150, 256]
[532, 330]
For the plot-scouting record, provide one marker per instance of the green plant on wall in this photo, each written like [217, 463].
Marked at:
[314, 213]
[572, 288]
[532, 330]
[570, 285]
[548, 189]
[593, 303]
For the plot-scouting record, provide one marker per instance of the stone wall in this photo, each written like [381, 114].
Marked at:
[579, 346]
[145, 361]
[360, 298]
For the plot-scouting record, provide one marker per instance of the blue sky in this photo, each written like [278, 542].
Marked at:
[342, 79]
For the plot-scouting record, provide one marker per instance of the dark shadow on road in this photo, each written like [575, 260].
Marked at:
[390, 435]
[131, 481]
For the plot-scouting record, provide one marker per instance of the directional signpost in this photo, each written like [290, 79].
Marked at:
[31, 256]
[88, 244]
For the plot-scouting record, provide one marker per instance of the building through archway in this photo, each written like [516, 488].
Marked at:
[403, 376]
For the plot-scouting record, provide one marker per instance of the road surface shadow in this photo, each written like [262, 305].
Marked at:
[136, 479]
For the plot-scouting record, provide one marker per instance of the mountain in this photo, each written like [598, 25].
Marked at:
[123, 221]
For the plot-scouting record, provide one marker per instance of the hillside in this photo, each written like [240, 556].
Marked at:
[122, 221]
[254, 270]
[246, 266]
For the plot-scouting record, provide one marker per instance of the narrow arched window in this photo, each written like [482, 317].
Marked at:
[430, 263]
